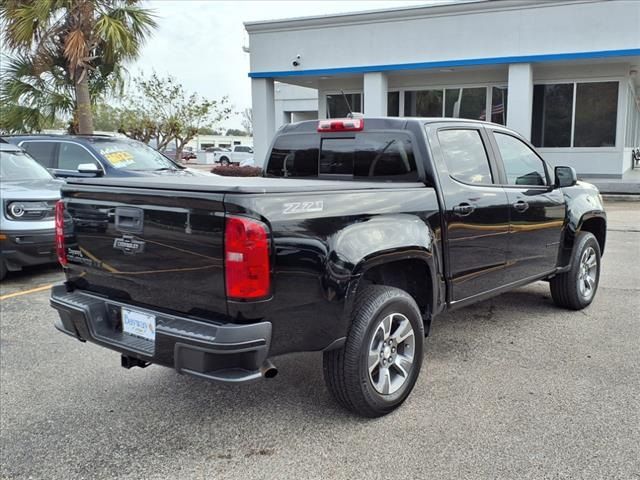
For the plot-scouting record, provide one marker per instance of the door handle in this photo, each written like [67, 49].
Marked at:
[463, 209]
[521, 206]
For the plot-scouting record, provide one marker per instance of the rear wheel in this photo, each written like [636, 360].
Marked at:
[376, 369]
[576, 288]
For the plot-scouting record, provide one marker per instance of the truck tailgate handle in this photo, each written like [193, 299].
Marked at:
[129, 219]
[463, 209]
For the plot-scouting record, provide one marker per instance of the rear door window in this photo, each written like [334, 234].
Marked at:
[465, 156]
[43, 152]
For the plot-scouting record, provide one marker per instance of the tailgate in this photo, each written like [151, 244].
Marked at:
[148, 247]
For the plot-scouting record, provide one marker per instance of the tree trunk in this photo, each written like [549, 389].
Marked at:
[83, 105]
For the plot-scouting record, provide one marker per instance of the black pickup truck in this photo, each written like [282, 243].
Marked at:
[360, 232]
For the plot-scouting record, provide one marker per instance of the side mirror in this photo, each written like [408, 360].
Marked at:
[565, 177]
[90, 169]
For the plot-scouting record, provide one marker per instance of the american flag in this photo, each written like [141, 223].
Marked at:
[495, 110]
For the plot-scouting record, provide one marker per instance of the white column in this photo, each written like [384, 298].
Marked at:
[264, 116]
[375, 94]
[322, 104]
[520, 98]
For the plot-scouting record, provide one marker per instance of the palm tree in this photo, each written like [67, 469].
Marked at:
[83, 42]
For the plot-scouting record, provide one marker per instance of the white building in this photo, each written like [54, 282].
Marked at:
[562, 73]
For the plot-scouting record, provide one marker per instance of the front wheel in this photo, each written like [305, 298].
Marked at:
[577, 288]
[224, 161]
[376, 369]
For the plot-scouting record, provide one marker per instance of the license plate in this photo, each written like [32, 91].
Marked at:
[139, 324]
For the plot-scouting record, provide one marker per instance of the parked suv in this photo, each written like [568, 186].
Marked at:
[96, 155]
[28, 194]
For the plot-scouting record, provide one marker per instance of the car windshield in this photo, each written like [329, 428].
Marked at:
[17, 165]
[132, 155]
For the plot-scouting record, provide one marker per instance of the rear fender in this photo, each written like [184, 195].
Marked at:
[381, 240]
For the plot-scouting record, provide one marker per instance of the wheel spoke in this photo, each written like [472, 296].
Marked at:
[374, 360]
[403, 331]
[403, 364]
[386, 327]
[589, 281]
[591, 261]
[383, 385]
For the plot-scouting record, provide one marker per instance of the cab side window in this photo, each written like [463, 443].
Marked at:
[465, 156]
[522, 166]
[72, 155]
[43, 152]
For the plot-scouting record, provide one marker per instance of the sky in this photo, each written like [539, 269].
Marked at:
[200, 41]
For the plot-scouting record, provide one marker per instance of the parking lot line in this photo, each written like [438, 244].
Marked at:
[26, 292]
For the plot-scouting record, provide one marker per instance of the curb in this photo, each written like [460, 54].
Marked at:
[620, 197]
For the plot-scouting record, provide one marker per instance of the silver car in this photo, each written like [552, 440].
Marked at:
[28, 194]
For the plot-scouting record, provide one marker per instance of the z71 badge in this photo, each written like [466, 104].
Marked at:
[129, 245]
[303, 207]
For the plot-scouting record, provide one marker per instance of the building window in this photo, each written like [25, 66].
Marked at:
[337, 104]
[466, 103]
[552, 107]
[499, 105]
[423, 103]
[591, 122]
[462, 102]
[596, 114]
[393, 104]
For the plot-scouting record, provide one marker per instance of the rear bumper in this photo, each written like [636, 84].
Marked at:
[222, 352]
[23, 249]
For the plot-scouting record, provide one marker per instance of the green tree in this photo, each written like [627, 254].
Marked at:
[208, 131]
[247, 121]
[162, 110]
[234, 132]
[106, 117]
[77, 43]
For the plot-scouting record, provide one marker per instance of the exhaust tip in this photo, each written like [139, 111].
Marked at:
[268, 369]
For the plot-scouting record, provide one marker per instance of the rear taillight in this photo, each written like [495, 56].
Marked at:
[60, 248]
[247, 270]
[341, 125]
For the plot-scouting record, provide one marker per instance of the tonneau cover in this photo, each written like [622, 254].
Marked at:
[216, 183]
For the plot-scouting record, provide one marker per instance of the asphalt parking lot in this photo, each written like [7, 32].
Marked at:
[511, 388]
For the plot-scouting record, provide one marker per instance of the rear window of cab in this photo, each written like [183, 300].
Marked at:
[384, 156]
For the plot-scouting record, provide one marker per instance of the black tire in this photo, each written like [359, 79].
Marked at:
[3, 269]
[346, 370]
[224, 161]
[565, 288]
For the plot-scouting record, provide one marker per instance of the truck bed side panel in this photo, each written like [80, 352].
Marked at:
[320, 240]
